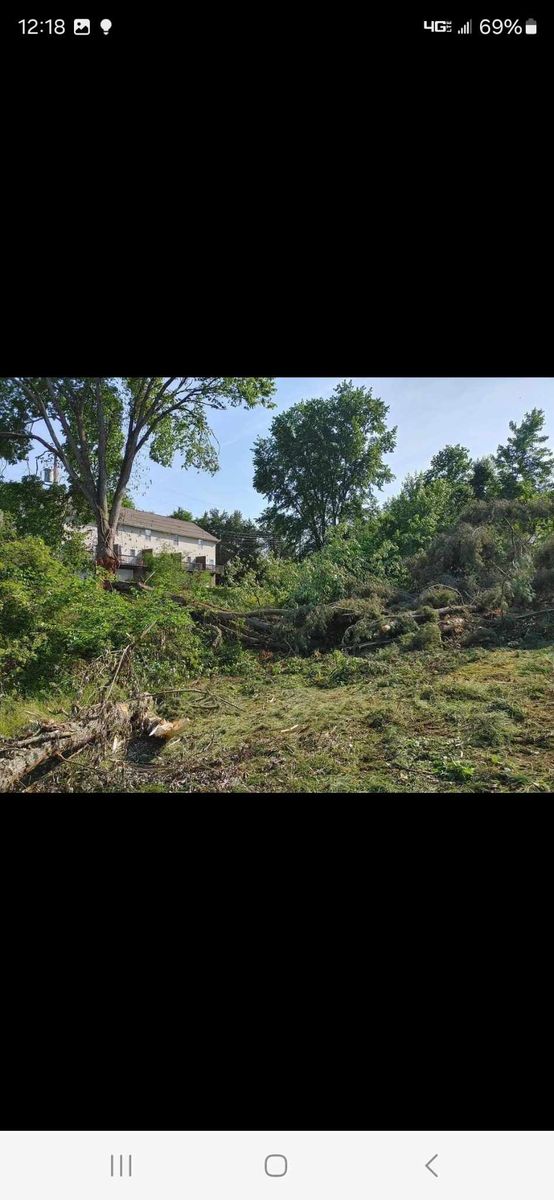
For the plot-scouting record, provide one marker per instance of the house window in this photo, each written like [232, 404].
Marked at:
[133, 553]
[176, 538]
[200, 542]
[148, 533]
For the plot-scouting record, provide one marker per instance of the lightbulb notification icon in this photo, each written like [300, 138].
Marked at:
[105, 25]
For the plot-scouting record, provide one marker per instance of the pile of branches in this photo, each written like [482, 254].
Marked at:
[353, 624]
[311, 627]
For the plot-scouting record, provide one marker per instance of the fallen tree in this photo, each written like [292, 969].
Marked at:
[357, 623]
[102, 722]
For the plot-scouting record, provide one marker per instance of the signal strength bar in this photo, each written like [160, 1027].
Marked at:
[466, 28]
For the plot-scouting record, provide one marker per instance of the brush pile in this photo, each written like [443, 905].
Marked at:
[360, 624]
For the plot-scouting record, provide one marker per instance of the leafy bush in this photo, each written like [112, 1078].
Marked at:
[272, 583]
[371, 586]
[167, 574]
[439, 597]
[51, 617]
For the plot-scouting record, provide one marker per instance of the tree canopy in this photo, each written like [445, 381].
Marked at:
[240, 537]
[525, 464]
[182, 514]
[453, 463]
[36, 510]
[320, 462]
[484, 478]
[96, 427]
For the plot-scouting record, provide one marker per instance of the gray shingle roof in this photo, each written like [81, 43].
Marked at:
[135, 519]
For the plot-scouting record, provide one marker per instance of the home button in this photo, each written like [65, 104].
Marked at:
[276, 1164]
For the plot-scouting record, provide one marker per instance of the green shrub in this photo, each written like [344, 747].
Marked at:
[50, 618]
[439, 596]
[167, 574]
[371, 586]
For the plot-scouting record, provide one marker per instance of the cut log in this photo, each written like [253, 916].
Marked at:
[99, 723]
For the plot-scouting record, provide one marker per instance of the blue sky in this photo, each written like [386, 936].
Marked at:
[429, 413]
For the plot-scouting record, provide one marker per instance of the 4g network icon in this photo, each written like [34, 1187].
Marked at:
[486, 26]
[446, 26]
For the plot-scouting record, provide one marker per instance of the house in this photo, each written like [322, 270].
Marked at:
[143, 534]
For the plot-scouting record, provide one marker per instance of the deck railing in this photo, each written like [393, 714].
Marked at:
[137, 560]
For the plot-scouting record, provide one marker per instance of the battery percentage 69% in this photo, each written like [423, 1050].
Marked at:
[499, 26]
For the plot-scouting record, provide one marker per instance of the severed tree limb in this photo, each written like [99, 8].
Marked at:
[97, 724]
[524, 616]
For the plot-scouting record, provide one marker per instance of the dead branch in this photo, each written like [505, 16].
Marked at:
[130, 646]
[97, 724]
[524, 616]
[100, 722]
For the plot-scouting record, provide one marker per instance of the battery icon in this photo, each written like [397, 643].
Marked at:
[530, 26]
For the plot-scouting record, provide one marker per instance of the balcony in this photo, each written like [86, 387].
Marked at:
[143, 561]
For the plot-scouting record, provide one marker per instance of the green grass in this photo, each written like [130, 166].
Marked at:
[16, 714]
[446, 721]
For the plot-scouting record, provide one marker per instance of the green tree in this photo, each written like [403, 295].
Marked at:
[97, 427]
[524, 464]
[453, 464]
[412, 519]
[239, 537]
[320, 462]
[182, 514]
[36, 510]
[484, 480]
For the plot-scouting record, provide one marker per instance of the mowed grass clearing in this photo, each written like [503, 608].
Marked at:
[462, 721]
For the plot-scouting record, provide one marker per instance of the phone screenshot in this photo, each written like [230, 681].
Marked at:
[327, 569]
